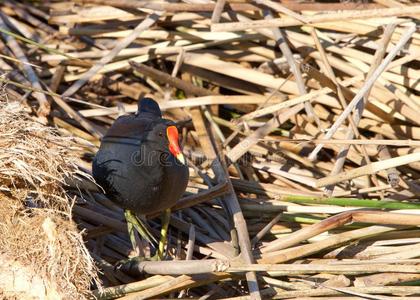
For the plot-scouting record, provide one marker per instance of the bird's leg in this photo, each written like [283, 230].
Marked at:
[131, 232]
[166, 216]
[139, 226]
[135, 224]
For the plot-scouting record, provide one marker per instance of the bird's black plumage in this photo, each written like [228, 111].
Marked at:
[148, 105]
[134, 165]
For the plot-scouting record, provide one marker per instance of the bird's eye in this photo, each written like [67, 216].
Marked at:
[160, 133]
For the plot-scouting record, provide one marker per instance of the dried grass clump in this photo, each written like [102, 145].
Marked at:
[42, 254]
[34, 159]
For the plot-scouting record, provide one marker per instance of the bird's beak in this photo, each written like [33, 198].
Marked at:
[172, 134]
[181, 158]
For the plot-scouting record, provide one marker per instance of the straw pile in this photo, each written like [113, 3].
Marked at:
[42, 252]
[300, 123]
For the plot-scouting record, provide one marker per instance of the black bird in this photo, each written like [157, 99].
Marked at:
[141, 167]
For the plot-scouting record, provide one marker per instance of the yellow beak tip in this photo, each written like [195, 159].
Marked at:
[180, 157]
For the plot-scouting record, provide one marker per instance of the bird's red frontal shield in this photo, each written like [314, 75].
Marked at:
[172, 133]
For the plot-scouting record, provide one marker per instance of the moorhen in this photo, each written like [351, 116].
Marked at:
[141, 167]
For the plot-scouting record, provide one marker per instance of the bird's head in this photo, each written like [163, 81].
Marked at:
[165, 138]
[164, 133]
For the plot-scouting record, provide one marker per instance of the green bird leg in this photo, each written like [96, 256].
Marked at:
[166, 216]
[133, 222]
[131, 234]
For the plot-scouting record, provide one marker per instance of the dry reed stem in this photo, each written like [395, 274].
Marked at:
[384, 279]
[379, 142]
[337, 221]
[234, 6]
[189, 102]
[221, 267]
[122, 290]
[343, 290]
[231, 202]
[176, 284]
[218, 9]
[333, 241]
[392, 290]
[369, 169]
[328, 17]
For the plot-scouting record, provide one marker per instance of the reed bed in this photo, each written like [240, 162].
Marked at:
[299, 121]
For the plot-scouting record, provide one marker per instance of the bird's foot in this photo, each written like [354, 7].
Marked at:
[129, 265]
